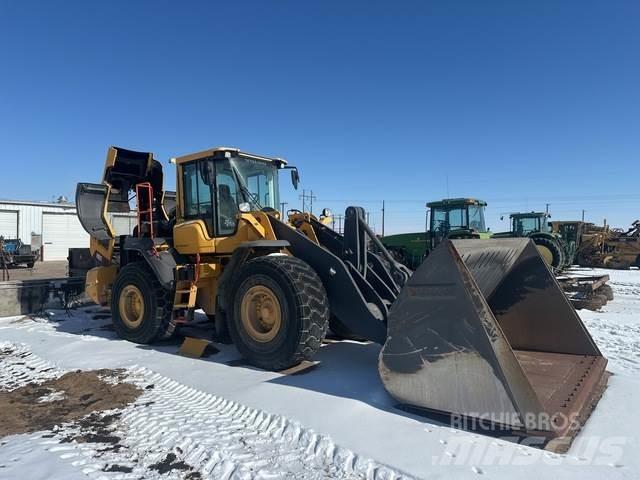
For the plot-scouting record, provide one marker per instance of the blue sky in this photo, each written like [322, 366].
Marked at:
[518, 103]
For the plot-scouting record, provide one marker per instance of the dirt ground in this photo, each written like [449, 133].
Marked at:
[41, 406]
[53, 269]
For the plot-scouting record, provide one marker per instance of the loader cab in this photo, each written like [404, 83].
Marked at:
[217, 186]
[456, 218]
[524, 224]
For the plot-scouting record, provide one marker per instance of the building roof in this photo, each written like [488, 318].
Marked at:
[38, 203]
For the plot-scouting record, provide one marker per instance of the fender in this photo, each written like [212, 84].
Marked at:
[162, 262]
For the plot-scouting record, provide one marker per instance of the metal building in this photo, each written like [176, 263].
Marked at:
[51, 227]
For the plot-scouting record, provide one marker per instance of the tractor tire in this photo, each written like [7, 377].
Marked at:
[550, 252]
[280, 312]
[140, 307]
[30, 265]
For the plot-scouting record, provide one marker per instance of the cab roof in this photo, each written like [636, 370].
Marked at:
[228, 151]
[529, 215]
[451, 202]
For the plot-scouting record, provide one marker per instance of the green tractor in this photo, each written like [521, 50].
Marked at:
[451, 218]
[554, 250]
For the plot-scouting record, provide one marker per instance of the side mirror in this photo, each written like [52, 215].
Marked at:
[501, 217]
[295, 177]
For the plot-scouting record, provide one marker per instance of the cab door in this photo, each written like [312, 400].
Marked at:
[195, 227]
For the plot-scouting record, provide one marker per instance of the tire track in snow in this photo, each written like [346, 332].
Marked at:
[19, 367]
[619, 342]
[210, 437]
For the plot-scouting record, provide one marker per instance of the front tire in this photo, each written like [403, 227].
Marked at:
[280, 312]
[140, 307]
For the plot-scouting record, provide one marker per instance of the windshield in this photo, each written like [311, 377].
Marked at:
[569, 231]
[476, 218]
[526, 225]
[443, 220]
[258, 180]
[446, 219]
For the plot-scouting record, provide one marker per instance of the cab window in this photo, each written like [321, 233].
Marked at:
[197, 194]
[227, 199]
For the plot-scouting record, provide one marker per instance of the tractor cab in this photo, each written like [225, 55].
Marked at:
[571, 230]
[456, 218]
[524, 224]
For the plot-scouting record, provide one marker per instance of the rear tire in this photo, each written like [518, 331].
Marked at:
[280, 312]
[140, 307]
[557, 255]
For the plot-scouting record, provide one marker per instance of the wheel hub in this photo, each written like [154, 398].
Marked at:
[546, 254]
[131, 306]
[261, 313]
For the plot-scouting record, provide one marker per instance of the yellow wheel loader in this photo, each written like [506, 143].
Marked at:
[481, 329]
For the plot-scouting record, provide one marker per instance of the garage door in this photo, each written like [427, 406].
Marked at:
[61, 231]
[9, 224]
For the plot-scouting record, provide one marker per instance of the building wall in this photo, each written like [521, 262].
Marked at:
[30, 216]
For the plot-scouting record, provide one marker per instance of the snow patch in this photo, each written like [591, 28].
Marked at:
[174, 431]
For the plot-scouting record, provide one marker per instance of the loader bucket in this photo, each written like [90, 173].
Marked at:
[483, 331]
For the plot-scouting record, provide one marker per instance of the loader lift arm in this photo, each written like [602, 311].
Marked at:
[361, 284]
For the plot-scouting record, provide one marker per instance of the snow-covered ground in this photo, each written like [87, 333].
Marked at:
[217, 418]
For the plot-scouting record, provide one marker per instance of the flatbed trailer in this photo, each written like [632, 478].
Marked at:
[23, 297]
[586, 291]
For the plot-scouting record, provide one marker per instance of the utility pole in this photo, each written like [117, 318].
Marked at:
[547, 209]
[583, 214]
[383, 218]
[307, 196]
[282, 204]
